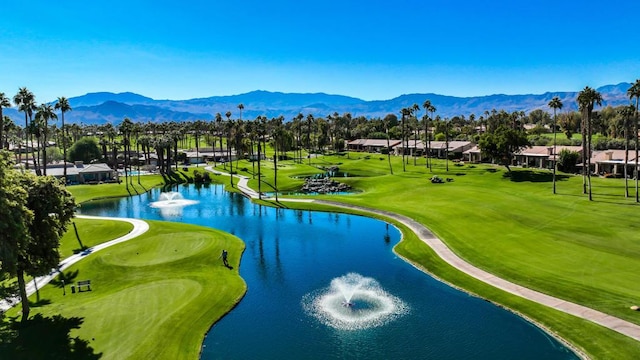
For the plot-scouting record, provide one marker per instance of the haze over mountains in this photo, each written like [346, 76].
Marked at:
[106, 107]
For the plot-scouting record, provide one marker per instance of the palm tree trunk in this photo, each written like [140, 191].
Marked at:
[555, 154]
[585, 154]
[626, 159]
[635, 129]
[64, 149]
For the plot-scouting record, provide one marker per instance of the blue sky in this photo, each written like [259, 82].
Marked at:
[371, 49]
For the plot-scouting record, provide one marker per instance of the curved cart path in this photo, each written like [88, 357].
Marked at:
[622, 326]
[139, 228]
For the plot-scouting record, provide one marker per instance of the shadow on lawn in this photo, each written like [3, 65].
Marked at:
[43, 337]
[532, 176]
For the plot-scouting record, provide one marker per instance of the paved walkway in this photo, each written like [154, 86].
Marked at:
[139, 228]
[622, 326]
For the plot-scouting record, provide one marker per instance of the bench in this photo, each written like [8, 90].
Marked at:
[82, 283]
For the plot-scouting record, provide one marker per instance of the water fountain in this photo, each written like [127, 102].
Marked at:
[354, 302]
[171, 203]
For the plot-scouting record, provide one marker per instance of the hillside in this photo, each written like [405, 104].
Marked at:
[106, 107]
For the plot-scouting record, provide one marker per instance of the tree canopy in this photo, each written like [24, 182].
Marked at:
[85, 150]
[502, 143]
[35, 211]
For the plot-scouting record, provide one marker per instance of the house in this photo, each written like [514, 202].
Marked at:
[437, 149]
[204, 155]
[541, 156]
[371, 145]
[79, 173]
[612, 161]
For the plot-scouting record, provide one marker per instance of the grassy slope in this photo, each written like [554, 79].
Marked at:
[156, 296]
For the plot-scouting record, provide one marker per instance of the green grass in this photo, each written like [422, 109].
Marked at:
[508, 224]
[153, 297]
[513, 226]
[84, 193]
[91, 233]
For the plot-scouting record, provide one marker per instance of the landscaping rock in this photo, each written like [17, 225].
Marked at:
[323, 186]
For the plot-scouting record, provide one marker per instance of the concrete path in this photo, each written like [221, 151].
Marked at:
[622, 326]
[139, 228]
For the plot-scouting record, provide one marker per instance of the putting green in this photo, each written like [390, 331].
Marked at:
[152, 297]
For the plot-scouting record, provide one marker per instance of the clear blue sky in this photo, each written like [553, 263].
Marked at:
[370, 49]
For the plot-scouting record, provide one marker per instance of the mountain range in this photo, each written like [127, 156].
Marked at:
[106, 107]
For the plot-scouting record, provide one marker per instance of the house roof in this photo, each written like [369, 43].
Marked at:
[373, 142]
[94, 168]
[612, 156]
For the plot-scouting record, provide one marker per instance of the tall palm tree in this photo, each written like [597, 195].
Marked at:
[44, 113]
[219, 130]
[634, 92]
[587, 99]
[26, 102]
[405, 113]
[555, 104]
[387, 120]
[309, 123]
[626, 113]
[428, 107]
[240, 107]
[63, 106]
[4, 103]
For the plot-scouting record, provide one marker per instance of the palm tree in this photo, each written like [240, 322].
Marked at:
[626, 113]
[405, 113]
[587, 99]
[309, 122]
[428, 107]
[387, 120]
[43, 115]
[63, 106]
[25, 101]
[634, 92]
[240, 107]
[4, 103]
[555, 104]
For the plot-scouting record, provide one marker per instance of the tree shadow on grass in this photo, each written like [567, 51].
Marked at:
[533, 176]
[43, 337]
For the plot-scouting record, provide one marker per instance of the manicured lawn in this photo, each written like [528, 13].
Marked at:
[153, 297]
[508, 224]
[513, 226]
[84, 193]
[91, 233]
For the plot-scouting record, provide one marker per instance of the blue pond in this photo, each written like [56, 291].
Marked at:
[291, 258]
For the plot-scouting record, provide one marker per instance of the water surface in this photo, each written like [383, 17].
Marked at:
[291, 254]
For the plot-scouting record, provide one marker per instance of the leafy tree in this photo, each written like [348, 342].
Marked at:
[567, 160]
[42, 212]
[502, 143]
[85, 150]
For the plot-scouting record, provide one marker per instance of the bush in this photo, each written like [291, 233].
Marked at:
[567, 160]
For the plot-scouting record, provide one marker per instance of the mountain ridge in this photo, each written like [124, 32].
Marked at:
[108, 107]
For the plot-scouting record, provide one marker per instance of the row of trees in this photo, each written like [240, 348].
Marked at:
[36, 119]
[498, 133]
